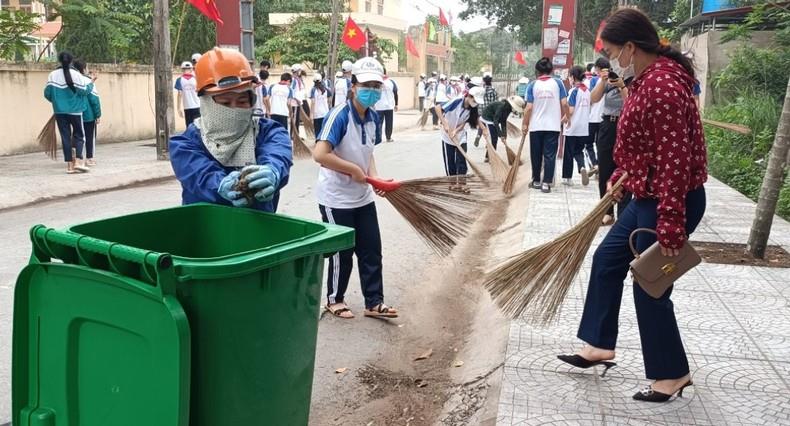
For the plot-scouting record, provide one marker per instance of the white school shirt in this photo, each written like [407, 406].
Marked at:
[342, 87]
[352, 139]
[260, 94]
[455, 114]
[279, 95]
[187, 85]
[421, 89]
[596, 109]
[441, 93]
[321, 107]
[579, 99]
[299, 90]
[545, 95]
[388, 91]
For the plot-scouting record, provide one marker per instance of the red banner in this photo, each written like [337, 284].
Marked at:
[208, 8]
[443, 19]
[411, 48]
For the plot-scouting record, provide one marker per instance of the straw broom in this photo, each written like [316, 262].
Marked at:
[728, 126]
[298, 145]
[537, 281]
[423, 120]
[510, 180]
[512, 130]
[441, 217]
[511, 155]
[48, 140]
[309, 128]
[498, 167]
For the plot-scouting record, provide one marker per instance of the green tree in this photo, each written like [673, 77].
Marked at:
[15, 27]
[198, 33]
[303, 40]
[265, 32]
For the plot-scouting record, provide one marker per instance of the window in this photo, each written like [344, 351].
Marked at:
[380, 7]
[368, 6]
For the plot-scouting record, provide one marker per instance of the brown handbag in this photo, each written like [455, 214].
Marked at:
[655, 272]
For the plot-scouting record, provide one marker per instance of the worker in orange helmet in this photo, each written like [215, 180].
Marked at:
[227, 141]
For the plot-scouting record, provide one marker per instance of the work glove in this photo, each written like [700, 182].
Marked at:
[226, 190]
[262, 179]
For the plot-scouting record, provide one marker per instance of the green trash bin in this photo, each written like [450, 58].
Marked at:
[228, 337]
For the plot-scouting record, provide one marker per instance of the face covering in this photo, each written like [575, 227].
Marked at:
[228, 133]
[624, 72]
[368, 97]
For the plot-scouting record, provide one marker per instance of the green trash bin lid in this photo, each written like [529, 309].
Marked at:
[94, 348]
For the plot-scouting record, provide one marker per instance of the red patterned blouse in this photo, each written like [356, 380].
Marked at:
[661, 144]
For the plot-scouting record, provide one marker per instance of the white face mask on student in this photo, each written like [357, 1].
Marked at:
[624, 72]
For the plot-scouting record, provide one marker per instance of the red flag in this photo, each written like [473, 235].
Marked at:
[520, 58]
[411, 48]
[353, 36]
[208, 8]
[443, 19]
[598, 42]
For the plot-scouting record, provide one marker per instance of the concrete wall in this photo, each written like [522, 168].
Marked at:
[407, 89]
[126, 92]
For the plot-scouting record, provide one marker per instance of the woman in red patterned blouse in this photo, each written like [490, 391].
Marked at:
[660, 144]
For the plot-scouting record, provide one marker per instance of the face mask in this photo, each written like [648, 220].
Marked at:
[624, 72]
[228, 133]
[368, 97]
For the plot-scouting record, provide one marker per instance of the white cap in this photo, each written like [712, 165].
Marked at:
[523, 80]
[196, 56]
[347, 66]
[186, 65]
[517, 102]
[296, 67]
[476, 81]
[422, 75]
[478, 93]
[339, 74]
[317, 77]
[454, 78]
[368, 69]
[487, 74]
[442, 77]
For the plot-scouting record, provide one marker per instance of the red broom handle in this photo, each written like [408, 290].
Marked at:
[386, 185]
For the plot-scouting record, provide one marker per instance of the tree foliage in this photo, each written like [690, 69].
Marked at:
[14, 29]
[265, 32]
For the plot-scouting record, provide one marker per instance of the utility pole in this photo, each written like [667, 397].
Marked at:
[163, 78]
[331, 57]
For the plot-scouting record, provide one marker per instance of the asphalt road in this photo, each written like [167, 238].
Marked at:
[341, 343]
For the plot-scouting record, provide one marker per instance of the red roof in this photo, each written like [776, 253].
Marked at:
[48, 29]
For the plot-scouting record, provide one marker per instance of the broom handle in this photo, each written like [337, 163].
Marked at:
[728, 126]
[468, 160]
[617, 185]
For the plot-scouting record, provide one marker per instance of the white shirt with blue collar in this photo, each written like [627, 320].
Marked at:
[353, 139]
[455, 114]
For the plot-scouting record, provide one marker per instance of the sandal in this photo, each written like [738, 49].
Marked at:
[381, 311]
[340, 310]
[607, 220]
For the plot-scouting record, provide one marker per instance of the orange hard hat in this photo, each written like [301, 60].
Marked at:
[223, 70]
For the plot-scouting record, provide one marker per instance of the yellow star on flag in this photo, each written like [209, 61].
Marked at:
[352, 32]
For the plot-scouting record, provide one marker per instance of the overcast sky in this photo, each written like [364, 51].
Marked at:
[414, 12]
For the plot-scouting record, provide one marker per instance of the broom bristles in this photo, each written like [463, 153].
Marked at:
[536, 281]
[423, 120]
[498, 167]
[440, 216]
[728, 126]
[510, 180]
[48, 140]
[511, 155]
[309, 128]
[513, 131]
[298, 145]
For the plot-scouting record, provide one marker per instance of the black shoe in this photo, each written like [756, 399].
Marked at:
[535, 185]
[545, 188]
[582, 362]
[649, 395]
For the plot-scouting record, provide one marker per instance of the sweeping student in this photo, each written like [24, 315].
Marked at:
[227, 140]
[577, 128]
[661, 145]
[421, 92]
[495, 115]
[66, 89]
[455, 117]
[547, 109]
[345, 151]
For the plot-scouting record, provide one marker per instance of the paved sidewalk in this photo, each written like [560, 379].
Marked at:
[735, 323]
[31, 178]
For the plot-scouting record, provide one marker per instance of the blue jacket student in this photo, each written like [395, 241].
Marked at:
[226, 144]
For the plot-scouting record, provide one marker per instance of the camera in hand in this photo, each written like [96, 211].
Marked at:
[613, 75]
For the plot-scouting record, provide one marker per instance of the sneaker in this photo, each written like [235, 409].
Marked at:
[477, 141]
[545, 188]
[567, 181]
[390, 140]
[585, 176]
[535, 185]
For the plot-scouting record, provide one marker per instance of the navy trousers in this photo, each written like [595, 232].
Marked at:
[367, 247]
[454, 161]
[662, 347]
[589, 143]
[543, 154]
[282, 119]
[574, 150]
[90, 138]
[72, 134]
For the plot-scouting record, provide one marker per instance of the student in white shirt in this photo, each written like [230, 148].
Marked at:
[262, 93]
[343, 84]
[596, 118]
[577, 127]
[187, 94]
[455, 116]
[299, 101]
[345, 151]
[421, 92]
[319, 102]
[388, 104]
[546, 108]
[280, 97]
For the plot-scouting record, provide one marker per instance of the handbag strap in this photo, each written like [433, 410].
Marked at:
[631, 239]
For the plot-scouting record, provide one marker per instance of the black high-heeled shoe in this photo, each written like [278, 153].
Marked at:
[648, 394]
[582, 362]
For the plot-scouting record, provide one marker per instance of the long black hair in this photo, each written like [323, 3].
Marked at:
[80, 66]
[65, 59]
[474, 114]
[632, 25]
